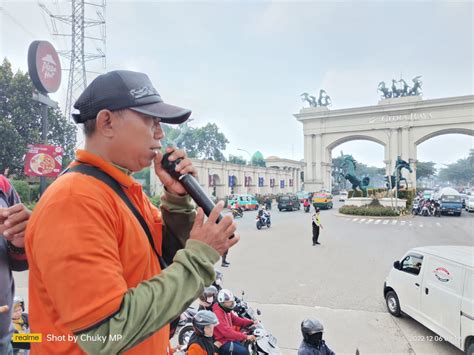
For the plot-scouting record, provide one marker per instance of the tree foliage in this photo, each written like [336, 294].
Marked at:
[460, 172]
[234, 159]
[205, 142]
[425, 170]
[20, 121]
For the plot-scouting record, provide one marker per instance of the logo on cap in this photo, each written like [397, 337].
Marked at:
[143, 92]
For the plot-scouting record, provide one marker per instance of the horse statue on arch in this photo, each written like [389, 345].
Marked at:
[324, 99]
[416, 89]
[386, 93]
[309, 99]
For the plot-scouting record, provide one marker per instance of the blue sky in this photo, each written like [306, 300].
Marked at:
[243, 64]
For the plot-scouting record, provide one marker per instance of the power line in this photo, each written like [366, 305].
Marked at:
[18, 23]
[80, 34]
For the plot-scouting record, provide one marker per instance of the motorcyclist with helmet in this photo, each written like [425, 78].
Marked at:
[224, 332]
[207, 298]
[313, 343]
[202, 341]
[20, 323]
[306, 204]
[236, 209]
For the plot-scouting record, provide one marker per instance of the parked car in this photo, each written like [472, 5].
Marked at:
[289, 203]
[343, 195]
[435, 286]
[246, 202]
[322, 200]
[470, 204]
[302, 195]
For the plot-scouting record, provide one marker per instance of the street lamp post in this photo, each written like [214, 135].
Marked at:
[250, 157]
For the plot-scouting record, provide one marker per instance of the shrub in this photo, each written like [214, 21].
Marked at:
[369, 211]
[31, 205]
[23, 190]
[408, 195]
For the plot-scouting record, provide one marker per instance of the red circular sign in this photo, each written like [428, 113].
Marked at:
[44, 66]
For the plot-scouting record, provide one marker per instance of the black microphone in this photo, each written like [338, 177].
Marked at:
[191, 186]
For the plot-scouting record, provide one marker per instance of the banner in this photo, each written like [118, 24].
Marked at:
[43, 160]
[272, 182]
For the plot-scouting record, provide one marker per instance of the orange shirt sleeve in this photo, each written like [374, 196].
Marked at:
[75, 248]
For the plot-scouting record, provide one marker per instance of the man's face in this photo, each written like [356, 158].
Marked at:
[229, 304]
[136, 140]
[17, 312]
[209, 330]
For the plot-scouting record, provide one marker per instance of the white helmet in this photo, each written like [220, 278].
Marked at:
[225, 296]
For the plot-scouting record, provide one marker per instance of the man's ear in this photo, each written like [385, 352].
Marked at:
[105, 123]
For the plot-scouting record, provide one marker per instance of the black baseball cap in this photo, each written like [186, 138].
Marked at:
[121, 89]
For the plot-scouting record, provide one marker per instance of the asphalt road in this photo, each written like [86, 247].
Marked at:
[340, 281]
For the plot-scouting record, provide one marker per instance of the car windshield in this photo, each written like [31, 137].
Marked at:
[451, 198]
[285, 198]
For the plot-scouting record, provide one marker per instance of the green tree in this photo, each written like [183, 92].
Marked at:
[210, 142]
[202, 142]
[237, 159]
[459, 173]
[425, 170]
[20, 121]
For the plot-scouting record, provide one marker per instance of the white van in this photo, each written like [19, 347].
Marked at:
[434, 285]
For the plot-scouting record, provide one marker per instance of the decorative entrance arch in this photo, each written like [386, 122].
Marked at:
[399, 125]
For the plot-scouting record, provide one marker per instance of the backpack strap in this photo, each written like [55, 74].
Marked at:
[114, 185]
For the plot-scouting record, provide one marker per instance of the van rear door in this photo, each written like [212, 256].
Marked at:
[442, 288]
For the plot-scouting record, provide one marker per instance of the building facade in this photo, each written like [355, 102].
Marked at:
[221, 179]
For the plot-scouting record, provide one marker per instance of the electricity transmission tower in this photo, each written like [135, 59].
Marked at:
[87, 27]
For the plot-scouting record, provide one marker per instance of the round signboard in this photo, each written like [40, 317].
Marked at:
[44, 66]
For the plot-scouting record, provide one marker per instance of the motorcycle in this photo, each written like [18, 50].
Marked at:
[425, 211]
[237, 212]
[436, 211]
[266, 343]
[415, 209]
[307, 208]
[263, 219]
[185, 326]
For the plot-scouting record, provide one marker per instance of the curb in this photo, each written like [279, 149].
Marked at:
[337, 214]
